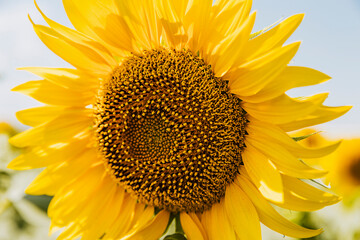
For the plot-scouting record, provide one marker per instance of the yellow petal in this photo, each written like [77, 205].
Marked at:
[229, 50]
[270, 131]
[74, 194]
[153, 230]
[196, 22]
[73, 231]
[38, 115]
[78, 55]
[283, 160]
[171, 16]
[123, 221]
[117, 206]
[42, 156]
[269, 216]
[59, 130]
[142, 216]
[76, 38]
[241, 212]
[300, 196]
[293, 202]
[320, 115]
[191, 229]
[250, 77]
[101, 207]
[101, 21]
[226, 16]
[273, 38]
[263, 173]
[67, 78]
[49, 93]
[56, 176]
[215, 218]
[230, 14]
[143, 22]
[306, 191]
[291, 77]
[284, 109]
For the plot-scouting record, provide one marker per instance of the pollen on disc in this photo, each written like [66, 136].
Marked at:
[169, 131]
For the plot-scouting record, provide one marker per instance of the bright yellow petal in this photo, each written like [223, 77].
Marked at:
[225, 17]
[123, 223]
[116, 208]
[269, 216]
[214, 219]
[250, 77]
[223, 56]
[306, 191]
[284, 109]
[291, 77]
[143, 22]
[153, 230]
[38, 115]
[59, 130]
[99, 208]
[73, 231]
[49, 93]
[263, 173]
[230, 15]
[273, 38]
[241, 212]
[320, 115]
[101, 21]
[196, 23]
[67, 78]
[52, 179]
[270, 131]
[78, 55]
[142, 216]
[75, 194]
[171, 16]
[191, 229]
[42, 156]
[74, 37]
[314, 200]
[283, 160]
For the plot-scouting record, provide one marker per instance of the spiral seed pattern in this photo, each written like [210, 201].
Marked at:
[170, 131]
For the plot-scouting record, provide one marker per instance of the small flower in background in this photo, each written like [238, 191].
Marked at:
[344, 170]
[21, 216]
[342, 221]
[343, 164]
[174, 113]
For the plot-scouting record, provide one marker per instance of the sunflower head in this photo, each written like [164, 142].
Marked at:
[174, 111]
[166, 126]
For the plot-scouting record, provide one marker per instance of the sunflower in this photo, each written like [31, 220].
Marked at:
[344, 169]
[173, 111]
[343, 164]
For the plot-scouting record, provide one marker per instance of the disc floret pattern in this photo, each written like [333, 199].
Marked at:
[169, 130]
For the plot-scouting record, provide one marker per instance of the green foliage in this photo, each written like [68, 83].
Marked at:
[175, 236]
[304, 137]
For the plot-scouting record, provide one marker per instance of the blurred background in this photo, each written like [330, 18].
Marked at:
[330, 35]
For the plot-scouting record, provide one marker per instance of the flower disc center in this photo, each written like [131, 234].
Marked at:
[170, 131]
[354, 170]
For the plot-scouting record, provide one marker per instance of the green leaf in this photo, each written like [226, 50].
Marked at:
[175, 236]
[305, 136]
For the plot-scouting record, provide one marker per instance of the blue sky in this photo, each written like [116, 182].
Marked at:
[330, 35]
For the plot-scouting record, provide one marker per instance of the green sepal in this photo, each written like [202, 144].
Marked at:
[175, 236]
[304, 137]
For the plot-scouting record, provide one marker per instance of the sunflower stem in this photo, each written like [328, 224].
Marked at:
[178, 227]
